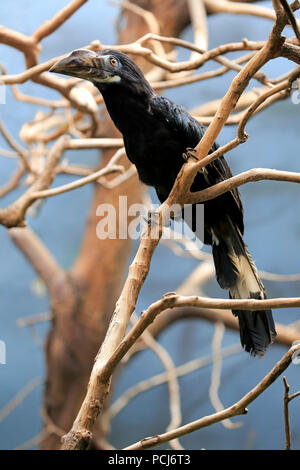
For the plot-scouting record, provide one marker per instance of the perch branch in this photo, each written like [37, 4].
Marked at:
[238, 408]
[80, 435]
[286, 400]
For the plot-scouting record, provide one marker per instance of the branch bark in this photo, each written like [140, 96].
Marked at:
[98, 272]
[238, 408]
[114, 347]
[82, 300]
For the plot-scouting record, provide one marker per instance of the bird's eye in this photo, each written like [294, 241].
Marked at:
[113, 61]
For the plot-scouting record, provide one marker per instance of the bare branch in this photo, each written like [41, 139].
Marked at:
[114, 346]
[256, 174]
[151, 48]
[199, 23]
[159, 379]
[286, 399]
[216, 375]
[20, 397]
[174, 391]
[38, 255]
[108, 358]
[286, 415]
[238, 8]
[13, 215]
[14, 181]
[238, 408]
[15, 146]
[48, 27]
[291, 17]
[34, 319]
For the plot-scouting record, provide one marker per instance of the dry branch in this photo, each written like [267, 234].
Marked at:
[216, 375]
[48, 27]
[80, 435]
[15, 146]
[238, 408]
[19, 397]
[286, 334]
[14, 181]
[237, 8]
[38, 256]
[13, 215]
[159, 379]
[186, 177]
[71, 300]
[172, 380]
[114, 347]
[111, 352]
[286, 400]
[98, 271]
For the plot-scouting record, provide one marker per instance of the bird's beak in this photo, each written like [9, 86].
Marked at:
[81, 63]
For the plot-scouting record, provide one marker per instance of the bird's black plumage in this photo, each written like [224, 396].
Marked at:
[156, 133]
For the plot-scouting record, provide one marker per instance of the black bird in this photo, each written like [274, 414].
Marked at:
[156, 133]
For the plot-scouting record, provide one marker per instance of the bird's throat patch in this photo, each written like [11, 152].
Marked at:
[113, 79]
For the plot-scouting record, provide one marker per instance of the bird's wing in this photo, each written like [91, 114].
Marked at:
[191, 131]
[177, 119]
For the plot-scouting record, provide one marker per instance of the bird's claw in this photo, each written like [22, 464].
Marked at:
[152, 218]
[189, 154]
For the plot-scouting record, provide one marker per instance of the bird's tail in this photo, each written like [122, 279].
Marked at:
[237, 272]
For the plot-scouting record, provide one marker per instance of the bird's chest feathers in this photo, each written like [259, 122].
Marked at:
[155, 151]
[151, 143]
[128, 113]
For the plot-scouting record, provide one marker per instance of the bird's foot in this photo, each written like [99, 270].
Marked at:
[189, 154]
[152, 219]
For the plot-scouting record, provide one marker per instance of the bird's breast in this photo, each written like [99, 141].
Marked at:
[157, 156]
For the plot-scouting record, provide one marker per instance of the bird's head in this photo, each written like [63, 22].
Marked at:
[103, 68]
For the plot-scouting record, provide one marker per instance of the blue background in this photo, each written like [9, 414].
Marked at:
[272, 234]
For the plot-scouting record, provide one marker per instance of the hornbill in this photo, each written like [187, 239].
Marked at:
[157, 133]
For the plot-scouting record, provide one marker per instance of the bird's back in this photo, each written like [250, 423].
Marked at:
[155, 143]
[156, 133]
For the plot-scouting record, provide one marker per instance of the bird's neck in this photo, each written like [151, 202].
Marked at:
[127, 108]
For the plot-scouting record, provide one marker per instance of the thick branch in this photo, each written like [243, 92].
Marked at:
[13, 215]
[37, 255]
[111, 352]
[48, 27]
[113, 348]
[256, 174]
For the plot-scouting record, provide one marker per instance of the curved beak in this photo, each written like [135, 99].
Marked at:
[81, 63]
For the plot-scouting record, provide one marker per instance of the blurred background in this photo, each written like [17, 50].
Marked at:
[272, 234]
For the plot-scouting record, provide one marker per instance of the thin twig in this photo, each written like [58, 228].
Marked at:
[216, 375]
[172, 380]
[286, 399]
[286, 415]
[236, 409]
[20, 397]
[145, 385]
